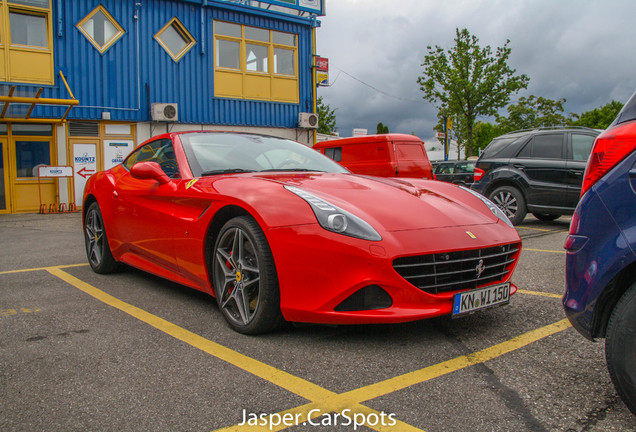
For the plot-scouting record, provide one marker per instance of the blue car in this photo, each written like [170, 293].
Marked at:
[600, 296]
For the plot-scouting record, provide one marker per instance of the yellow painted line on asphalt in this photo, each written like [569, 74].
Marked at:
[539, 293]
[322, 401]
[543, 250]
[40, 269]
[541, 229]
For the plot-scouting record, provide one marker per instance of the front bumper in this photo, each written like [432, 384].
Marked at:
[319, 270]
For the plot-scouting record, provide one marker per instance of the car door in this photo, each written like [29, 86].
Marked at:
[444, 171]
[579, 147]
[145, 210]
[542, 161]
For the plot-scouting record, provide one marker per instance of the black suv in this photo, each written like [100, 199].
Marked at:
[457, 172]
[538, 171]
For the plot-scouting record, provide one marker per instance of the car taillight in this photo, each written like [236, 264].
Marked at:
[478, 174]
[611, 147]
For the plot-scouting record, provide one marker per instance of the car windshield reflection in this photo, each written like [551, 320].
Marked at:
[224, 153]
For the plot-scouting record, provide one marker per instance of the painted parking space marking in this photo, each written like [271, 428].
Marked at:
[544, 250]
[321, 400]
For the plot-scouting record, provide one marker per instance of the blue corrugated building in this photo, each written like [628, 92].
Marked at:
[82, 82]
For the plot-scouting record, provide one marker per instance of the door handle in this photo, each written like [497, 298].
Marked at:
[519, 167]
[576, 172]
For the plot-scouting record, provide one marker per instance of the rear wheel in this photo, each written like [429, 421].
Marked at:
[620, 347]
[511, 201]
[546, 217]
[97, 250]
[245, 280]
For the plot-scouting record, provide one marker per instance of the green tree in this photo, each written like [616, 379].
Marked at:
[382, 129]
[326, 118]
[483, 133]
[468, 81]
[532, 112]
[599, 118]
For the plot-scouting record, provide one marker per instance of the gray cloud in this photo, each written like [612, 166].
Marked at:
[581, 50]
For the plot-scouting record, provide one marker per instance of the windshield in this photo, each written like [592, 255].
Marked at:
[215, 153]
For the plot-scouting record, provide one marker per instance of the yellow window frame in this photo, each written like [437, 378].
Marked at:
[120, 30]
[23, 63]
[183, 32]
[246, 84]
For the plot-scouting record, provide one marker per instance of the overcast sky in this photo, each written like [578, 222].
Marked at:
[580, 50]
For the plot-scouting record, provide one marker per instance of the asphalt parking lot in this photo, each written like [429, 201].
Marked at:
[131, 352]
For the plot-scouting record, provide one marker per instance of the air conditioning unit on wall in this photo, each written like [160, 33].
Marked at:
[168, 112]
[308, 120]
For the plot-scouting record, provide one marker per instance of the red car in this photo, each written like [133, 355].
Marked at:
[278, 232]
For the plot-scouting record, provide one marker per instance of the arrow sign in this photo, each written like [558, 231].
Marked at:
[85, 173]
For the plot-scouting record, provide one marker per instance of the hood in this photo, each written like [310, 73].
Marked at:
[394, 204]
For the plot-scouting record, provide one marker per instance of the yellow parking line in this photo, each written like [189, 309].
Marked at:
[541, 229]
[40, 269]
[544, 250]
[322, 401]
[539, 293]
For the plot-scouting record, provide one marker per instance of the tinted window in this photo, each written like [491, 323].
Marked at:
[543, 147]
[446, 168]
[497, 145]
[581, 146]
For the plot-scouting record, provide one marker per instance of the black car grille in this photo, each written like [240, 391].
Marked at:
[456, 271]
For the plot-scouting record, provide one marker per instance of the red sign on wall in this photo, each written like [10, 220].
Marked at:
[322, 64]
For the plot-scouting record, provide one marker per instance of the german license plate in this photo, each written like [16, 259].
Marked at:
[481, 298]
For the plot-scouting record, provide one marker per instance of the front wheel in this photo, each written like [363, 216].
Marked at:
[97, 250]
[620, 347]
[511, 201]
[245, 280]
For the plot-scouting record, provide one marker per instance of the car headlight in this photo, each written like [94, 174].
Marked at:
[335, 219]
[492, 206]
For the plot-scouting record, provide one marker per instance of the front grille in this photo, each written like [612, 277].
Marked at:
[457, 271]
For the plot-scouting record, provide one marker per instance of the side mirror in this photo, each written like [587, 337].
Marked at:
[149, 171]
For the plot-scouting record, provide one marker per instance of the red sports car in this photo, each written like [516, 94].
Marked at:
[278, 232]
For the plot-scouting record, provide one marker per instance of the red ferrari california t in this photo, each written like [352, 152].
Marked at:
[278, 232]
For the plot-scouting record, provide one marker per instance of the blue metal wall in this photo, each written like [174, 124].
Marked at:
[136, 71]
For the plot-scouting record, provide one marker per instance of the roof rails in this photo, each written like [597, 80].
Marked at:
[552, 128]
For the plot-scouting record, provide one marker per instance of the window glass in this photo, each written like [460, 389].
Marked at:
[227, 29]
[174, 40]
[256, 58]
[284, 61]
[31, 129]
[29, 155]
[257, 34]
[547, 146]
[334, 153]
[100, 29]
[28, 29]
[160, 151]
[496, 146]
[227, 54]
[283, 38]
[581, 146]
[35, 3]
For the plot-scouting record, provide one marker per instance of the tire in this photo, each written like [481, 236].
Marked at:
[98, 251]
[546, 217]
[511, 201]
[620, 347]
[244, 278]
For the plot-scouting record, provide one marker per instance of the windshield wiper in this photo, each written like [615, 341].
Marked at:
[225, 171]
[292, 169]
